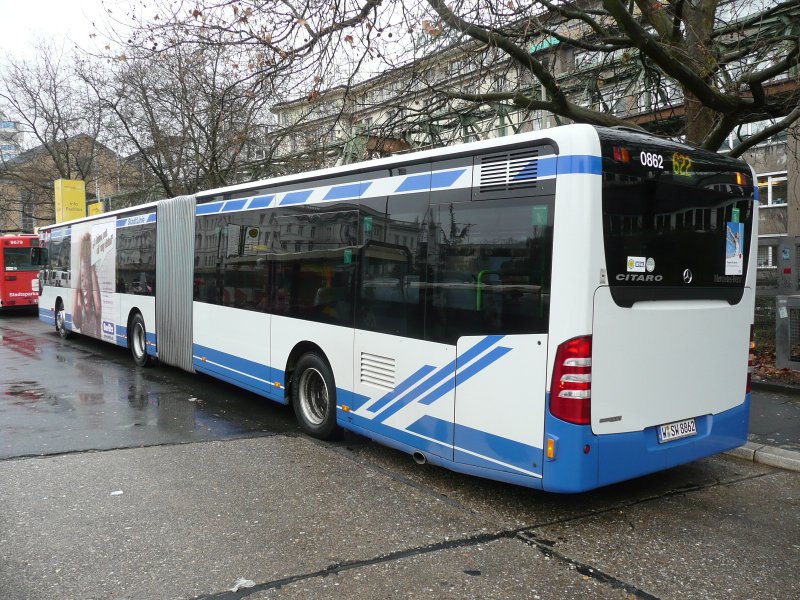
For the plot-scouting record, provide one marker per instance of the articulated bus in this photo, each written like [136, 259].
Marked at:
[19, 263]
[561, 309]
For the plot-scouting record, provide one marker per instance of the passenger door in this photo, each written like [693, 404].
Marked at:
[492, 290]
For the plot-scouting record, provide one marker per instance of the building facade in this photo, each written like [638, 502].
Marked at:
[10, 139]
[403, 110]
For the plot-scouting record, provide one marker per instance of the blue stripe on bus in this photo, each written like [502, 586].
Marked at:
[466, 374]
[580, 163]
[536, 169]
[404, 385]
[469, 442]
[234, 205]
[406, 442]
[208, 209]
[399, 435]
[443, 373]
[415, 183]
[235, 368]
[136, 220]
[261, 202]
[340, 192]
[525, 457]
[434, 437]
[443, 179]
[296, 197]
[429, 181]
[150, 343]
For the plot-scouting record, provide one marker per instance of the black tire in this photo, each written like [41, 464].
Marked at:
[61, 317]
[314, 396]
[137, 341]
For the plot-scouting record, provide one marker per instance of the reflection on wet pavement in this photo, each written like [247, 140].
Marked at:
[80, 394]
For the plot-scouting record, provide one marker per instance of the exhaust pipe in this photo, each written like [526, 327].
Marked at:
[419, 458]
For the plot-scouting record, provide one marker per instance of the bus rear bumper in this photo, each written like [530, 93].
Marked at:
[585, 461]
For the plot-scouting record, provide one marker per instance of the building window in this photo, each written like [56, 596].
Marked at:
[766, 256]
[772, 188]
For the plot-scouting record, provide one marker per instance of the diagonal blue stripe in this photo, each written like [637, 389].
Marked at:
[340, 192]
[400, 389]
[465, 374]
[415, 183]
[296, 197]
[208, 209]
[477, 349]
[234, 205]
[442, 179]
[261, 202]
[442, 374]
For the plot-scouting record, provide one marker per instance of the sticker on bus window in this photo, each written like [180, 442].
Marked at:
[734, 259]
[735, 215]
[348, 256]
[539, 216]
[636, 264]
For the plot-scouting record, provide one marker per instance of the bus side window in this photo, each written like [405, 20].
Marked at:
[489, 269]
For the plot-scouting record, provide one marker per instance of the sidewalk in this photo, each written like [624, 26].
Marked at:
[774, 437]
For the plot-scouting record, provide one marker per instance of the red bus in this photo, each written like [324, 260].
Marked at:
[19, 286]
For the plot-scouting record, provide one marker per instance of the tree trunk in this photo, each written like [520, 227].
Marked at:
[699, 21]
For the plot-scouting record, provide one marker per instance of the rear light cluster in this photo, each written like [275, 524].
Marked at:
[571, 390]
[751, 360]
[621, 154]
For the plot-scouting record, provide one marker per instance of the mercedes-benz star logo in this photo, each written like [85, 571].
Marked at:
[687, 276]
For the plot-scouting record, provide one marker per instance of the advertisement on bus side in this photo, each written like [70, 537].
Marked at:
[93, 274]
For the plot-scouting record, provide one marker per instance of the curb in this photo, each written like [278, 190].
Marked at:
[782, 388]
[768, 455]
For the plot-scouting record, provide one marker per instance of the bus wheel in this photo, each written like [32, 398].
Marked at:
[137, 340]
[314, 396]
[61, 321]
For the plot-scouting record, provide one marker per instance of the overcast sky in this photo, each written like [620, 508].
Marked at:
[22, 22]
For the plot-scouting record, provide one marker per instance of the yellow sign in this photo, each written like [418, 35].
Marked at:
[70, 199]
[96, 208]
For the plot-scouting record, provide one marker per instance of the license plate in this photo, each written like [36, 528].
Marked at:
[676, 430]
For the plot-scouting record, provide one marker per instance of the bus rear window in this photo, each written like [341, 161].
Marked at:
[677, 223]
[19, 259]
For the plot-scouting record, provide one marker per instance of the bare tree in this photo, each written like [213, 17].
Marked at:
[190, 98]
[697, 69]
[60, 125]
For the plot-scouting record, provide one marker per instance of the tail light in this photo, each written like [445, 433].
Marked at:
[621, 154]
[751, 359]
[571, 390]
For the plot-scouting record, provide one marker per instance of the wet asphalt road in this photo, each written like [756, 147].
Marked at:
[82, 394]
[117, 482]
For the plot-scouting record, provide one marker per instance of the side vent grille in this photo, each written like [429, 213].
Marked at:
[523, 169]
[509, 171]
[512, 174]
[377, 370]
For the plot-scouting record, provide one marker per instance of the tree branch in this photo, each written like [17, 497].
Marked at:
[761, 136]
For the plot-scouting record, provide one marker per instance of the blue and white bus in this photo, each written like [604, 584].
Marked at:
[562, 309]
